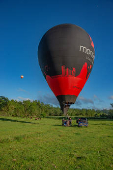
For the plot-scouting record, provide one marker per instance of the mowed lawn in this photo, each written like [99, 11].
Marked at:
[27, 144]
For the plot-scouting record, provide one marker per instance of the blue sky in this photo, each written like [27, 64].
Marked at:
[22, 25]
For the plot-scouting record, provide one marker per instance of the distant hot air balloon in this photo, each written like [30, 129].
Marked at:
[66, 56]
[22, 76]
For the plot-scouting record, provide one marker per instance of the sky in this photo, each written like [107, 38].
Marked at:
[22, 25]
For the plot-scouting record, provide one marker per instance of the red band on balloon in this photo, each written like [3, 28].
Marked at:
[67, 83]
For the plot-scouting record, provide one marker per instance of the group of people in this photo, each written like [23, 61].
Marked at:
[67, 122]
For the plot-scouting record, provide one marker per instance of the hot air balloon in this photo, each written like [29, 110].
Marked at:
[66, 57]
[22, 76]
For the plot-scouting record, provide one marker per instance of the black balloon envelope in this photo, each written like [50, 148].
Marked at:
[66, 57]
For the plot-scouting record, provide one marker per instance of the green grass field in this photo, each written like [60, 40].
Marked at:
[44, 144]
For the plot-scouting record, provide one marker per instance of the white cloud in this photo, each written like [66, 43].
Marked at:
[22, 90]
[51, 99]
[48, 98]
[96, 98]
[85, 100]
[22, 98]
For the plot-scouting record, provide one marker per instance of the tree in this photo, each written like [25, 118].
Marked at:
[4, 103]
[110, 113]
[12, 106]
[27, 104]
[111, 105]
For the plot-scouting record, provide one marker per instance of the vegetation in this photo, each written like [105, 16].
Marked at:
[46, 145]
[39, 109]
[27, 143]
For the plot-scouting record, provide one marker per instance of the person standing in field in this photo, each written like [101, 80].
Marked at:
[70, 121]
[63, 122]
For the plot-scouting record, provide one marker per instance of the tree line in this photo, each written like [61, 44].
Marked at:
[36, 108]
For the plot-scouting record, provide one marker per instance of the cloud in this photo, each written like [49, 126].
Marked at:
[49, 98]
[78, 103]
[96, 98]
[22, 90]
[22, 98]
[85, 100]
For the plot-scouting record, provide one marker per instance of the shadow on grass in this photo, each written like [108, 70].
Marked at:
[100, 119]
[100, 124]
[67, 126]
[11, 120]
